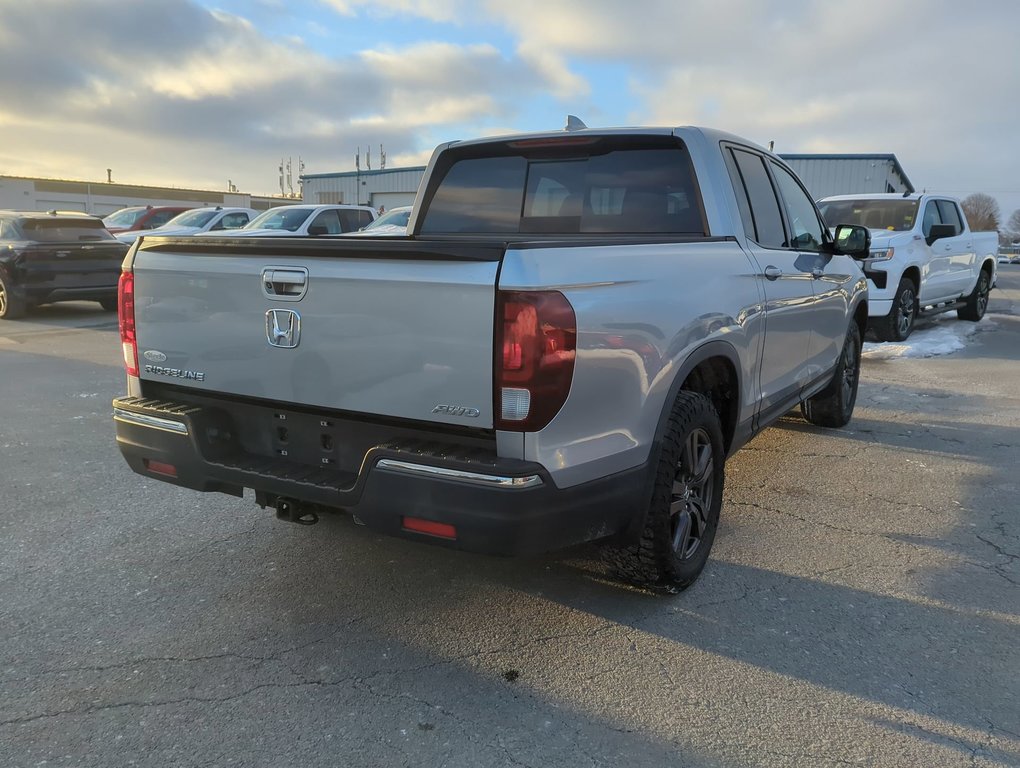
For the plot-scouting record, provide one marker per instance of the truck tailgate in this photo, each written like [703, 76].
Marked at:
[389, 328]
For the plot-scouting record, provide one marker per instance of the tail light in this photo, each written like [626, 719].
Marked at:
[126, 316]
[536, 340]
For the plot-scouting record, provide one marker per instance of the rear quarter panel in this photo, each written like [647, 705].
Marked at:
[642, 310]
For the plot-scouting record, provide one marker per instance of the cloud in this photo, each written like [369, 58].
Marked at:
[89, 84]
[212, 96]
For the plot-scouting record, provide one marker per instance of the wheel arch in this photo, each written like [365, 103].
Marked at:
[913, 273]
[713, 370]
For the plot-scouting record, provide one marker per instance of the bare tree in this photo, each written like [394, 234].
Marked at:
[1013, 226]
[982, 212]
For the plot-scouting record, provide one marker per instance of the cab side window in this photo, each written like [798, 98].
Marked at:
[233, 221]
[949, 214]
[761, 198]
[329, 220]
[807, 229]
[931, 216]
[159, 219]
[6, 230]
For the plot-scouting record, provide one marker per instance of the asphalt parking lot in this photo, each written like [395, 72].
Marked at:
[862, 605]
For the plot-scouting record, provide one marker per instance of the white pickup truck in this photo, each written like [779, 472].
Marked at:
[924, 258]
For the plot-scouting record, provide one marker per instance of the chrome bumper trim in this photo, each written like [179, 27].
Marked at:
[477, 478]
[153, 422]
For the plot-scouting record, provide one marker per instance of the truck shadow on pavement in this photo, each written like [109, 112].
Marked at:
[71, 314]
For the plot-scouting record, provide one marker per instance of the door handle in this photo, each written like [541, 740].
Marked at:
[284, 284]
[773, 273]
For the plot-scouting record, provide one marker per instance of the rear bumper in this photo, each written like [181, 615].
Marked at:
[496, 506]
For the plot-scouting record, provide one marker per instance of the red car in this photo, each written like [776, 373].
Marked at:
[141, 217]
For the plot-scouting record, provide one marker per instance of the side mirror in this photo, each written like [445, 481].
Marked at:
[317, 230]
[852, 240]
[938, 231]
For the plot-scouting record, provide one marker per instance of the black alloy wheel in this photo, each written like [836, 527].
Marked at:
[905, 308]
[692, 494]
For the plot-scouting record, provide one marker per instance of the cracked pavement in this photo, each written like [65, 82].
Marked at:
[860, 607]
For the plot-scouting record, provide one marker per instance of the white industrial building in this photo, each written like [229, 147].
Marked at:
[826, 175]
[20, 193]
[387, 187]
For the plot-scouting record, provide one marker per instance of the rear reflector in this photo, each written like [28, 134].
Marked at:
[160, 468]
[430, 527]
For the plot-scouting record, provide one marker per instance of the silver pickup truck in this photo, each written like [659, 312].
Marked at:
[576, 332]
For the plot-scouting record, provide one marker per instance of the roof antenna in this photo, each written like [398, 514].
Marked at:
[574, 123]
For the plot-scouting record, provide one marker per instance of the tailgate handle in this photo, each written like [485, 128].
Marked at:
[284, 284]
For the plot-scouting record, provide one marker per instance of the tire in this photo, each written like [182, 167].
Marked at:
[109, 305]
[681, 521]
[897, 325]
[11, 306]
[834, 405]
[977, 302]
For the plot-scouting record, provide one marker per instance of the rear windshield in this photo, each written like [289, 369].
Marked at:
[895, 215]
[58, 231]
[578, 186]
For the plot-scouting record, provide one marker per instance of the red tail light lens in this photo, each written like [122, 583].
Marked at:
[126, 316]
[536, 341]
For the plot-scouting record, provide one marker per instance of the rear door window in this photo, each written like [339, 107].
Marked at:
[761, 196]
[354, 219]
[601, 186]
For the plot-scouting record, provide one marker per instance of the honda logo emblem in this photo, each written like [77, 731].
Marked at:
[283, 328]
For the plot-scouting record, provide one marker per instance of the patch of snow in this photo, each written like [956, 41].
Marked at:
[941, 339]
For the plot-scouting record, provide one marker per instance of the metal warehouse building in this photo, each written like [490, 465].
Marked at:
[389, 187]
[20, 193]
[826, 175]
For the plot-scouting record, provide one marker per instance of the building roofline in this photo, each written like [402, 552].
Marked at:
[118, 187]
[861, 156]
[373, 172]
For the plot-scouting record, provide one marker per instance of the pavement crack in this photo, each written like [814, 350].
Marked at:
[92, 709]
[1002, 552]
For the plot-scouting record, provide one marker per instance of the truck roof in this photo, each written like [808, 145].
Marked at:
[683, 131]
[888, 196]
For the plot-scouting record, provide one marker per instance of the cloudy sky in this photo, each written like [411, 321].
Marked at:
[195, 92]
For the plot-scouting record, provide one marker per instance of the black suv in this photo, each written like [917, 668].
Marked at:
[56, 256]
